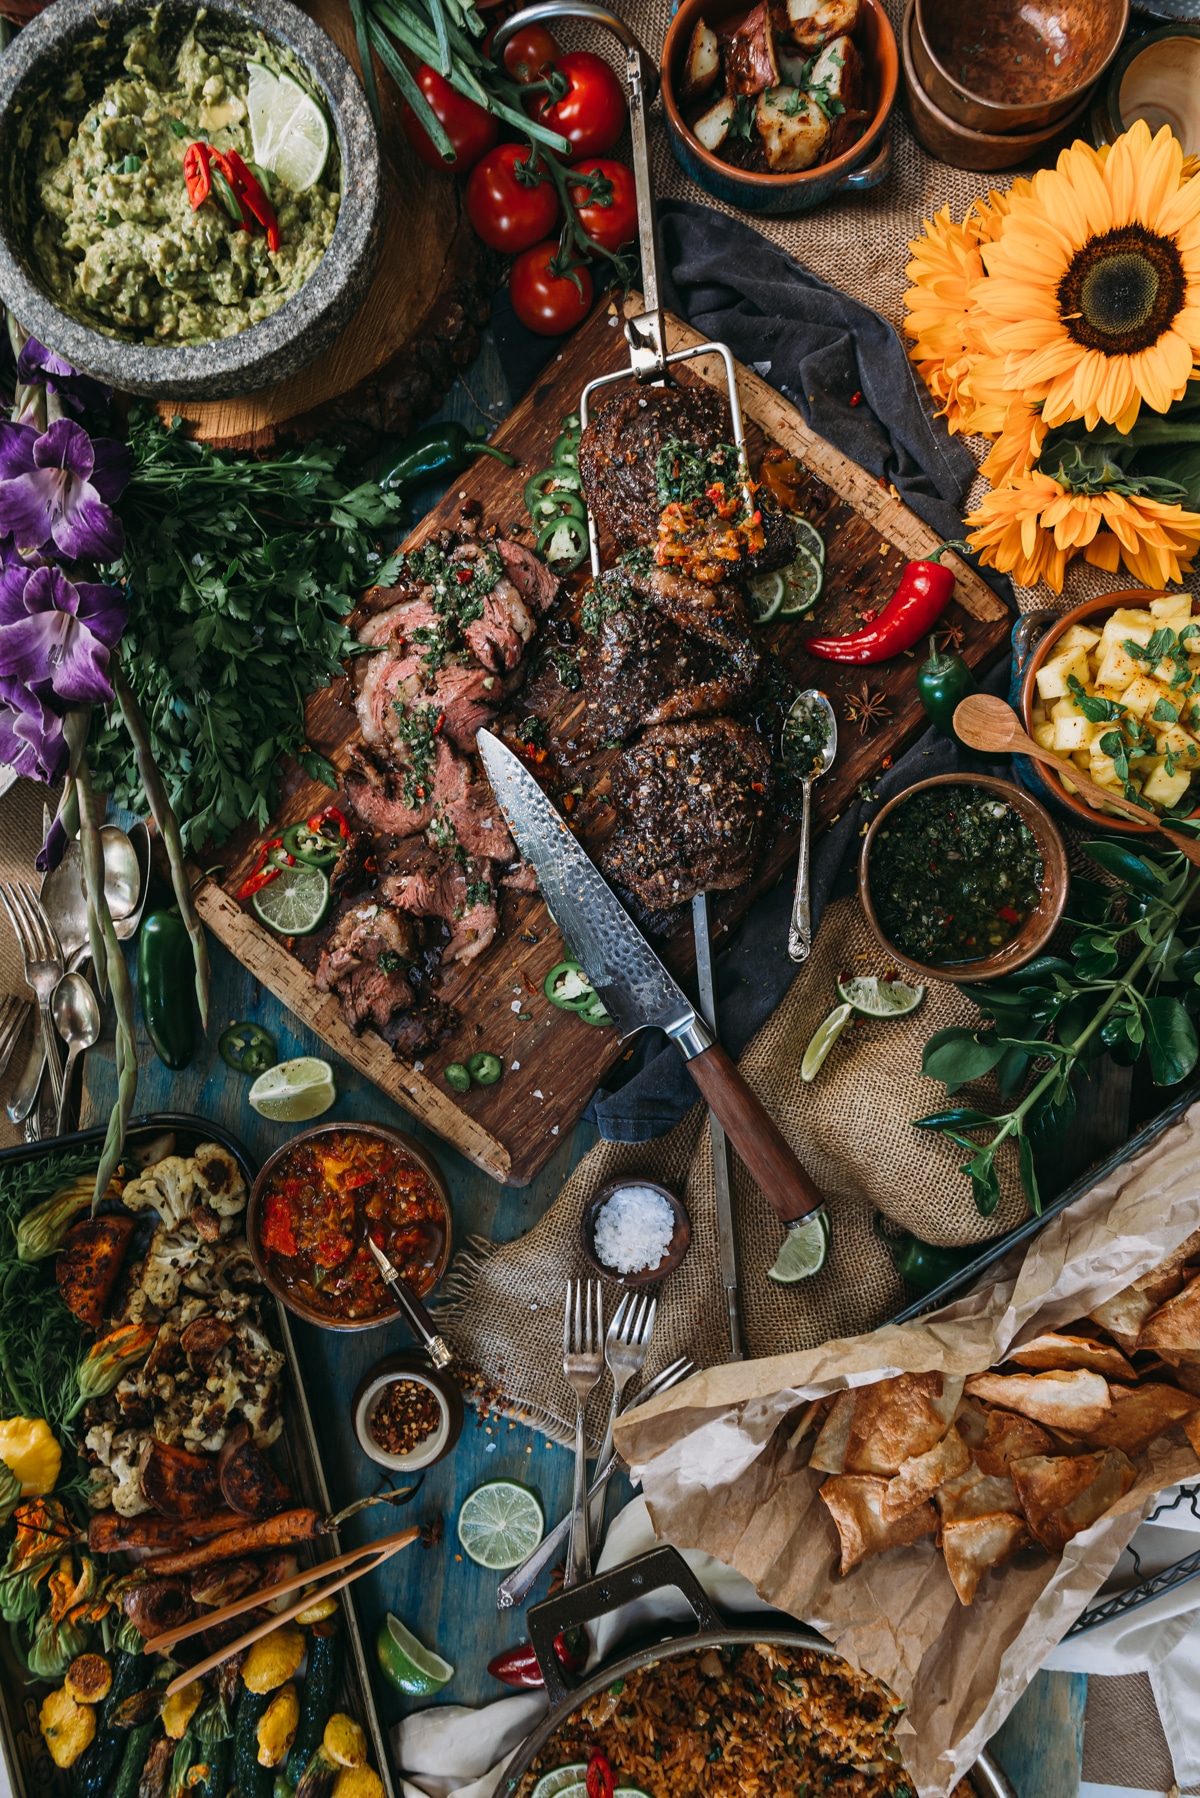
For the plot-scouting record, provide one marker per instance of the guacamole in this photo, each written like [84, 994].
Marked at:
[118, 243]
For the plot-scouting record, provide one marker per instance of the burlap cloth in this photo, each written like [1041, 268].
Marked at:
[20, 840]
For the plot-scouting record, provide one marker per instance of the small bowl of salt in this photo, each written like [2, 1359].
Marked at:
[635, 1231]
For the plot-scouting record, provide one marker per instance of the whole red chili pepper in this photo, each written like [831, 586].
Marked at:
[197, 174]
[599, 1777]
[922, 595]
[265, 870]
[519, 1666]
[251, 192]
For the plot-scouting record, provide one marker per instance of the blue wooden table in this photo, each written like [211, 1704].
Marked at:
[447, 1601]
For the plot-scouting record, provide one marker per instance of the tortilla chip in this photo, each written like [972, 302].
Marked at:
[1076, 1401]
[977, 1543]
[1139, 1415]
[1062, 1495]
[855, 1502]
[1174, 1329]
[921, 1475]
[1007, 1438]
[829, 1449]
[1053, 1350]
[1123, 1316]
[1191, 1429]
[898, 1418]
[811, 1417]
[1187, 1373]
[1163, 1282]
[975, 1494]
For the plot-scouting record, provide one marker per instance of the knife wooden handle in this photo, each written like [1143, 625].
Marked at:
[754, 1135]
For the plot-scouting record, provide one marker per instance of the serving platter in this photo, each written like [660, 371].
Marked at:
[32, 1773]
[553, 1061]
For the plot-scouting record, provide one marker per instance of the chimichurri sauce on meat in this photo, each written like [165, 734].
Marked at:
[955, 872]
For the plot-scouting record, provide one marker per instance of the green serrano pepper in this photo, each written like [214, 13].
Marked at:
[166, 987]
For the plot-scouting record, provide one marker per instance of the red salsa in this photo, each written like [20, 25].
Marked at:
[323, 1200]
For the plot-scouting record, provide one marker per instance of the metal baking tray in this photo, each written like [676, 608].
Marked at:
[32, 1774]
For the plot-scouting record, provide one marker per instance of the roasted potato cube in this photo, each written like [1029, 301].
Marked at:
[702, 64]
[1166, 789]
[344, 1741]
[1172, 739]
[810, 24]
[793, 128]
[273, 1659]
[1127, 621]
[839, 71]
[1103, 769]
[1070, 733]
[277, 1726]
[1044, 734]
[1172, 609]
[712, 128]
[68, 1727]
[1053, 681]
[1078, 636]
[1082, 758]
[750, 65]
[1143, 694]
[88, 1678]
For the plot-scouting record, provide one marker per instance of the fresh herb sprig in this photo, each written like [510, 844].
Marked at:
[238, 576]
[1100, 1000]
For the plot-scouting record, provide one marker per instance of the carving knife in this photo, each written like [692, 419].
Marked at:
[635, 987]
[416, 1316]
[722, 1172]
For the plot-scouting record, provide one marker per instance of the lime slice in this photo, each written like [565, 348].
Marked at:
[803, 580]
[289, 131]
[805, 1246]
[765, 593]
[411, 1667]
[877, 998]
[808, 537]
[822, 1042]
[295, 901]
[293, 1091]
[561, 1782]
[499, 1524]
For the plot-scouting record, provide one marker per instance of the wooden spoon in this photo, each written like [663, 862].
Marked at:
[986, 723]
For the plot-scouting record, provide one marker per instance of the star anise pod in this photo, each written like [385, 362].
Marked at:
[950, 636]
[558, 1574]
[433, 1534]
[866, 708]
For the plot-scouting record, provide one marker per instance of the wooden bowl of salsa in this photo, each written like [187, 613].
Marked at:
[963, 877]
[314, 1204]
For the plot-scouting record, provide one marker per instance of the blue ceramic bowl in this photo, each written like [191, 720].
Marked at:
[862, 166]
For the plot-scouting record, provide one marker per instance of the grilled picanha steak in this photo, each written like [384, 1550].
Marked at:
[696, 798]
[619, 452]
[658, 647]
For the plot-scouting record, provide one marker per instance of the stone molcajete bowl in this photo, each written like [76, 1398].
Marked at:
[41, 59]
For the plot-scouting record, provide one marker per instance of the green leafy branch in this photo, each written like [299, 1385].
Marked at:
[1052, 1019]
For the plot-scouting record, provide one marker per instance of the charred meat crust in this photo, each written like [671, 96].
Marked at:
[619, 450]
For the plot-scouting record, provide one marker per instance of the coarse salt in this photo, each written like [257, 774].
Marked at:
[633, 1230]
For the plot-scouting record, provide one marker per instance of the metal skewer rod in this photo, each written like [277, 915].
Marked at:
[721, 1152]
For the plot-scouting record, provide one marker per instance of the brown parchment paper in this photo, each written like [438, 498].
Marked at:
[718, 1475]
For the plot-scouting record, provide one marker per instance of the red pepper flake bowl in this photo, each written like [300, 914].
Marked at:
[315, 1201]
[373, 1401]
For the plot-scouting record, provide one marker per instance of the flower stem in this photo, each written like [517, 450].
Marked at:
[122, 986]
[168, 824]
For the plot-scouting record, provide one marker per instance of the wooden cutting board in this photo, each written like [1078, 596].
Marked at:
[553, 1062]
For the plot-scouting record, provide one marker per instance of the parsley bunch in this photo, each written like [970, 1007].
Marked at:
[238, 576]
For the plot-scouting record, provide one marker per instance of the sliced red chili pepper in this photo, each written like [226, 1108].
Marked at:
[441, 719]
[250, 191]
[222, 160]
[599, 1777]
[263, 872]
[1009, 915]
[331, 815]
[197, 174]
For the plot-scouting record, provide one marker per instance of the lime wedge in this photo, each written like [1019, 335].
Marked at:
[289, 131]
[765, 592]
[805, 1246]
[411, 1667]
[499, 1524]
[808, 536]
[293, 1091]
[561, 1781]
[295, 901]
[877, 998]
[823, 1041]
[803, 581]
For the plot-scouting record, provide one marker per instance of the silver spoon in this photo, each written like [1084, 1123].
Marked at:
[122, 874]
[139, 838]
[808, 744]
[77, 1017]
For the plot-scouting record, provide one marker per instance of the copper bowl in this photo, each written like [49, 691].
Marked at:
[264, 1261]
[1041, 923]
[958, 144]
[1090, 610]
[860, 167]
[680, 1243]
[1024, 67]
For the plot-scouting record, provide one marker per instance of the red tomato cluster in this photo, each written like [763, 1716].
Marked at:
[515, 201]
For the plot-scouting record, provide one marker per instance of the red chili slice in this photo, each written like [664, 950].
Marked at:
[197, 174]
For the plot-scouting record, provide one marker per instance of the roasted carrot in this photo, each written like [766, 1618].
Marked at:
[110, 1533]
[280, 1531]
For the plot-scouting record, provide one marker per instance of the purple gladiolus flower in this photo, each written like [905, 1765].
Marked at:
[79, 393]
[60, 488]
[31, 734]
[55, 634]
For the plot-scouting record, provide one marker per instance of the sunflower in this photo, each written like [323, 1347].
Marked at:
[1032, 528]
[1092, 291]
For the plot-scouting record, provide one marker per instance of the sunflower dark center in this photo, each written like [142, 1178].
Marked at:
[1122, 290]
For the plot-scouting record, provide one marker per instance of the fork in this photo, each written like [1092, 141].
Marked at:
[43, 965]
[583, 1363]
[13, 1013]
[515, 1587]
[625, 1352]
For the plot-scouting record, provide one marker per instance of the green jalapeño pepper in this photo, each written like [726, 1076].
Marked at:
[248, 1049]
[943, 682]
[436, 450]
[167, 987]
[924, 1265]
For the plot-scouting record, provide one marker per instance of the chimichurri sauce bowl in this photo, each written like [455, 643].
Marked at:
[101, 255]
[963, 878]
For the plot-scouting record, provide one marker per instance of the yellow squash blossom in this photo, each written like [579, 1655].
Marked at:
[1034, 527]
[1092, 290]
